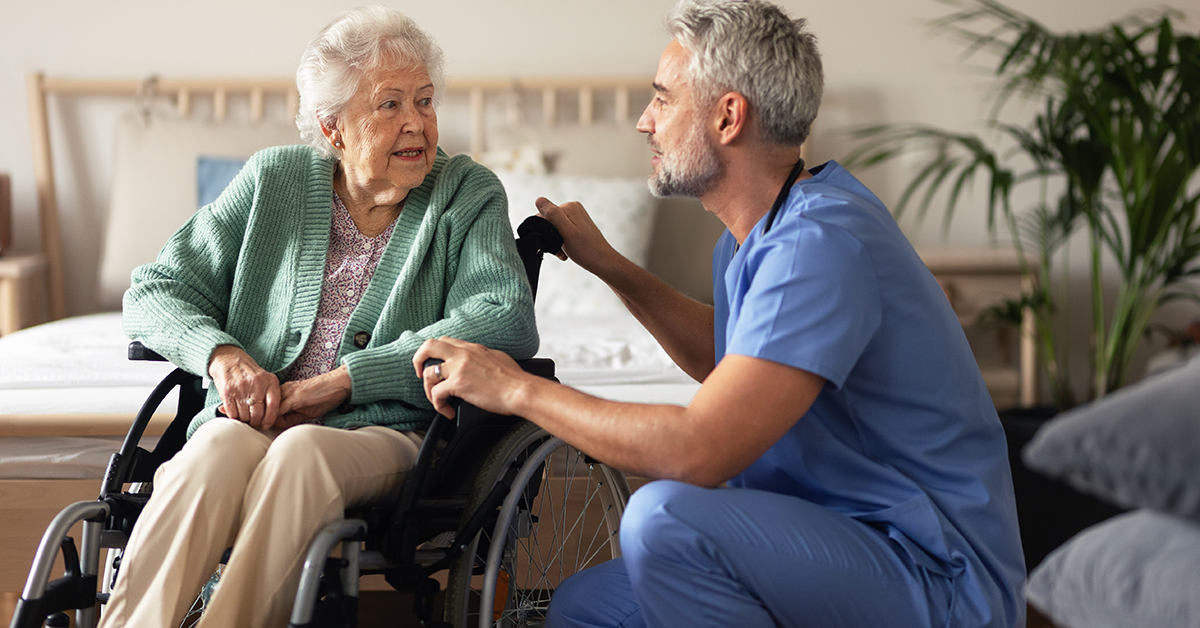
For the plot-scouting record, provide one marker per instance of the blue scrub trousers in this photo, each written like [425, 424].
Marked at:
[740, 557]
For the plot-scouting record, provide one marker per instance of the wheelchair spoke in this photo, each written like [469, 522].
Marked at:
[546, 561]
[202, 599]
[598, 533]
[565, 523]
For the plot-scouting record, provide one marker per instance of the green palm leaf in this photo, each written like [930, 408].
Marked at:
[1119, 135]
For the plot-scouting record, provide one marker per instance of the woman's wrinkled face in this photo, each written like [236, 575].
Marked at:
[389, 132]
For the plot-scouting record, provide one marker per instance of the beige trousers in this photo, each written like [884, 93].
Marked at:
[269, 492]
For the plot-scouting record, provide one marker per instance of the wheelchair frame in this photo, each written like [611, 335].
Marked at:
[487, 502]
[501, 529]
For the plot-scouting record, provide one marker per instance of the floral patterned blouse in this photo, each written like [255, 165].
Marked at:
[349, 265]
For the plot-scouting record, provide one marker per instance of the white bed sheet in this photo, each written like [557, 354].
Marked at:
[78, 352]
[60, 457]
[78, 366]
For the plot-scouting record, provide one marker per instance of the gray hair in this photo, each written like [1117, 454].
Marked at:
[357, 41]
[753, 48]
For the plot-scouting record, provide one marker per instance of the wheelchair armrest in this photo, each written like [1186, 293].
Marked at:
[139, 351]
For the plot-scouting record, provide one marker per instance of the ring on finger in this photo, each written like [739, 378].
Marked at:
[251, 401]
[437, 370]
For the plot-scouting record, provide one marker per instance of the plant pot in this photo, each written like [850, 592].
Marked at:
[1048, 511]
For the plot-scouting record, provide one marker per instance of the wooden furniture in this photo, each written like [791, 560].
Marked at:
[21, 280]
[975, 279]
[5, 213]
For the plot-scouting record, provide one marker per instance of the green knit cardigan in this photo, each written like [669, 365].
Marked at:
[247, 270]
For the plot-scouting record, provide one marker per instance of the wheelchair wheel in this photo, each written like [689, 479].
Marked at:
[562, 516]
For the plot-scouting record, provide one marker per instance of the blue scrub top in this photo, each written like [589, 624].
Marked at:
[904, 436]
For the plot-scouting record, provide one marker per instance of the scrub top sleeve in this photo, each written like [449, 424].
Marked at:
[810, 300]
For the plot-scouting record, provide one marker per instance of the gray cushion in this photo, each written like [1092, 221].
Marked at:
[1138, 447]
[1137, 570]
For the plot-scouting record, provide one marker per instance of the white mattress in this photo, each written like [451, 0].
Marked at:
[78, 366]
[78, 352]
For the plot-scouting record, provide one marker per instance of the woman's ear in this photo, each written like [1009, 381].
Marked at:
[330, 131]
[730, 117]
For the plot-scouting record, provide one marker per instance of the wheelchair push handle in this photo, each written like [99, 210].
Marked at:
[536, 237]
[455, 402]
[541, 234]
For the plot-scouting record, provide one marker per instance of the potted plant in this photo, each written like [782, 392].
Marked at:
[1118, 133]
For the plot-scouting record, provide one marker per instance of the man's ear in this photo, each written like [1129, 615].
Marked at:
[730, 117]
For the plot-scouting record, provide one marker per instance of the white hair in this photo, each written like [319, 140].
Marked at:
[357, 41]
[753, 48]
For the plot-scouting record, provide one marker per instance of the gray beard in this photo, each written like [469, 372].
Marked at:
[689, 172]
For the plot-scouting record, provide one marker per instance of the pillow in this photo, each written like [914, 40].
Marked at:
[154, 186]
[1136, 570]
[1138, 447]
[213, 175]
[622, 208]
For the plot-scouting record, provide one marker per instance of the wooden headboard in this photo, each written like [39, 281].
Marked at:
[481, 95]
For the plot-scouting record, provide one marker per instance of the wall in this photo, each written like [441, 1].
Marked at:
[882, 65]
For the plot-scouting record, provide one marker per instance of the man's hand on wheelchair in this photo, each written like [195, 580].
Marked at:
[480, 376]
[582, 241]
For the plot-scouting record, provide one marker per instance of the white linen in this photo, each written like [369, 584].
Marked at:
[78, 365]
[609, 349]
[60, 457]
[83, 351]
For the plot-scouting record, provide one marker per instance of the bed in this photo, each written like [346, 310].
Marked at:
[67, 394]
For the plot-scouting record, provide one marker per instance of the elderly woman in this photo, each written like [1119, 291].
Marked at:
[303, 292]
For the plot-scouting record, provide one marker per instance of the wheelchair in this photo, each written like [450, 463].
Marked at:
[496, 507]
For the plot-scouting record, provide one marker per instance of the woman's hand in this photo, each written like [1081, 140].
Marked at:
[481, 376]
[308, 400]
[582, 241]
[248, 392]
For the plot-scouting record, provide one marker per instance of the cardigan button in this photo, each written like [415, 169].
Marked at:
[361, 339]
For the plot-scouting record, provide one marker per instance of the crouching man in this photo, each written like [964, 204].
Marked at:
[865, 470]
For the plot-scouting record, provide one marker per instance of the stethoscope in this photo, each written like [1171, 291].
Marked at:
[783, 193]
